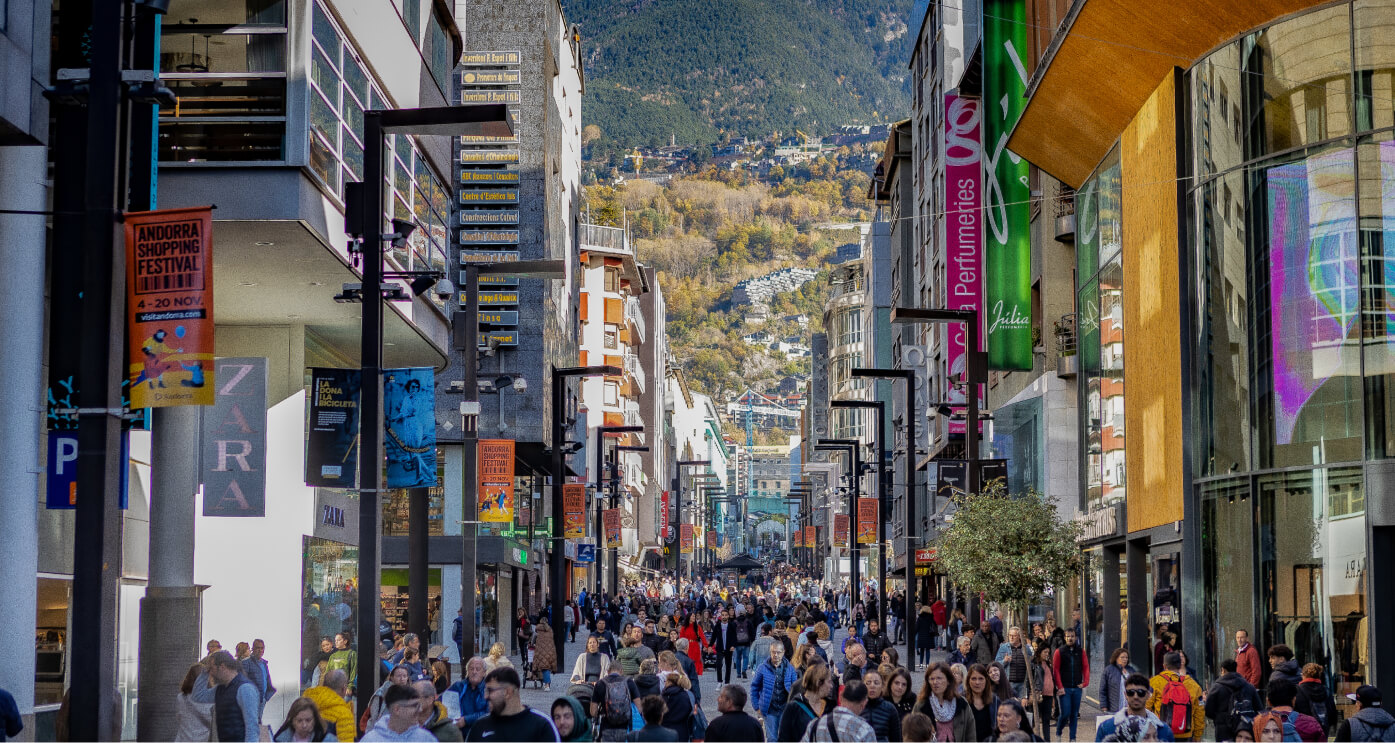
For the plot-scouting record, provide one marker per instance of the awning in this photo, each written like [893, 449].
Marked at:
[1106, 60]
[741, 562]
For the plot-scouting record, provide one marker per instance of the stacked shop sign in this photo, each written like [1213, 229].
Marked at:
[488, 184]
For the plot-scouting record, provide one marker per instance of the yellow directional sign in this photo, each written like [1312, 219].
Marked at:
[489, 77]
[489, 58]
[500, 196]
[471, 97]
[489, 176]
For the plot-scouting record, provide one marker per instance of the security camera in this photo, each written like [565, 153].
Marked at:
[520, 384]
[444, 288]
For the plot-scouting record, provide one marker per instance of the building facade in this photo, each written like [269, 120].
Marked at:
[1229, 207]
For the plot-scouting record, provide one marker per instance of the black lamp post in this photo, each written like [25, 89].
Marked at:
[364, 216]
[614, 503]
[679, 482]
[558, 581]
[853, 448]
[882, 483]
[601, 433]
[908, 376]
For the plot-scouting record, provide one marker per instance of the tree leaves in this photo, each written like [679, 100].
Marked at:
[1012, 549]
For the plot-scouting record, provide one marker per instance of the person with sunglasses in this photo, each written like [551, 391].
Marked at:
[1134, 721]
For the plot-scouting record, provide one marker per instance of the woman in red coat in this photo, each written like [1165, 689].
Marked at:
[697, 641]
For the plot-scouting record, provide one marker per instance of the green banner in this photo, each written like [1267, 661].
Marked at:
[1006, 194]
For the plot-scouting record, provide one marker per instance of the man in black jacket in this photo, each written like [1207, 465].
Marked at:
[875, 640]
[733, 725]
[1231, 701]
[724, 642]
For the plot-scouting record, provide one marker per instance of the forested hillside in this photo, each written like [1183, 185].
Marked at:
[706, 232]
[694, 70]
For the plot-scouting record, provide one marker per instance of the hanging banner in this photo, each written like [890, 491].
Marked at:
[233, 440]
[1006, 194]
[574, 510]
[840, 530]
[169, 307]
[409, 421]
[496, 480]
[711, 539]
[963, 233]
[663, 516]
[866, 520]
[331, 440]
[685, 539]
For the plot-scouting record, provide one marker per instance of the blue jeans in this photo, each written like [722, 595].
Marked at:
[742, 657]
[772, 726]
[1070, 711]
[547, 677]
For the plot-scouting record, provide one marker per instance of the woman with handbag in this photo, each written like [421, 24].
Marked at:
[1043, 700]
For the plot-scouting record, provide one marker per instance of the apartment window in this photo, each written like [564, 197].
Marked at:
[227, 64]
[612, 393]
[612, 279]
[438, 54]
[612, 336]
[411, 16]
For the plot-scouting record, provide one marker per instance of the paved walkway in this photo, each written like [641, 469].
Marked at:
[542, 699]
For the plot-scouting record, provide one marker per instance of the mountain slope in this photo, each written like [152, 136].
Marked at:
[695, 68]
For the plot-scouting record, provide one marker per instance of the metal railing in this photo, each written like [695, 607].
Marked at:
[635, 370]
[1065, 202]
[606, 238]
[634, 315]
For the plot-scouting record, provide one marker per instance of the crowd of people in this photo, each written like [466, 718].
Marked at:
[797, 661]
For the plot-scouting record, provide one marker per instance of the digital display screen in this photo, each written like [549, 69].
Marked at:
[1314, 280]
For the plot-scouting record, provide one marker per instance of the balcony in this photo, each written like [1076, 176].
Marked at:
[635, 370]
[632, 414]
[636, 318]
[1067, 356]
[1065, 215]
[610, 239]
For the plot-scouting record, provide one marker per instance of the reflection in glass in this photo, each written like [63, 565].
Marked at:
[1217, 123]
[1111, 320]
[1304, 64]
[1377, 178]
[1090, 412]
[1228, 565]
[1375, 63]
[1223, 319]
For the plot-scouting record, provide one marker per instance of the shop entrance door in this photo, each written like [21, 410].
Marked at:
[1165, 605]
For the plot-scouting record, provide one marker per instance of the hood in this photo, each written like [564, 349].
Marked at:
[1375, 716]
[1233, 681]
[1288, 668]
[926, 610]
[648, 683]
[542, 627]
[582, 730]
[383, 732]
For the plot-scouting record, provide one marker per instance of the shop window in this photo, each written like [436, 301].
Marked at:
[1314, 574]
[330, 581]
[1228, 566]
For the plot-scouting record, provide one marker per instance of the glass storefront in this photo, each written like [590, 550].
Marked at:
[329, 600]
[1290, 217]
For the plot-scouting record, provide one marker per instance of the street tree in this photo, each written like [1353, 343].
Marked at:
[1010, 548]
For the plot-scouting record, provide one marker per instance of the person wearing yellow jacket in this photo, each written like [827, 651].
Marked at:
[329, 699]
[1167, 698]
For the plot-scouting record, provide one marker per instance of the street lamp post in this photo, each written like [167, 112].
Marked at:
[366, 219]
[853, 448]
[880, 407]
[557, 580]
[976, 368]
[680, 464]
[614, 495]
[908, 376]
[601, 433]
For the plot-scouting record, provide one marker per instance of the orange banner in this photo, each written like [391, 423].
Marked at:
[169, 307]
[685, 539]
[811, 536]
[496, 480]
[840, 530]
[866, 520]
[574, 510]
[610, 519]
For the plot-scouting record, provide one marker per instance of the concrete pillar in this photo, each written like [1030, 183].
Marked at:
[170, 619]
[22, 239]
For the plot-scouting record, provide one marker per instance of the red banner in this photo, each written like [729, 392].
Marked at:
[610, 519]
[574, 510]
[840, 530]
[169, 307]
[685, 539]
[924, 556]
[811, 536]
[866, 520]
[496, 480]
[711, 542]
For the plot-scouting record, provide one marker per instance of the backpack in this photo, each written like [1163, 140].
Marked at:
[1242, 711]
[1177, 708]
[1371, 732]
[743, 633]
[617, 703]
[1290, 730]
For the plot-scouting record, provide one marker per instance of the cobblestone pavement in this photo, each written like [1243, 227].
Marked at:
[542, 699]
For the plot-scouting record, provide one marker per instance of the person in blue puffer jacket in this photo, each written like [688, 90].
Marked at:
[770, 688]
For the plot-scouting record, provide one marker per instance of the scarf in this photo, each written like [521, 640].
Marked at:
[944, 711]
[1128, 728]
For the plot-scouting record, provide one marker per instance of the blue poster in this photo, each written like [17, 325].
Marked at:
[409, 417]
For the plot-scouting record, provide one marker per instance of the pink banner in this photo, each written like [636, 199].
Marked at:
[963, 228]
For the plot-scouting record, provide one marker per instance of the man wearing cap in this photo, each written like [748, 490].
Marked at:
[1370, 722]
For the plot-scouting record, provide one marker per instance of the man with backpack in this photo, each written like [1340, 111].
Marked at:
[1296, 725]
[612, 704]
[1176, 699]
[1370, 721]
[1133, 721]
[744, 635]
[1231, 702]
